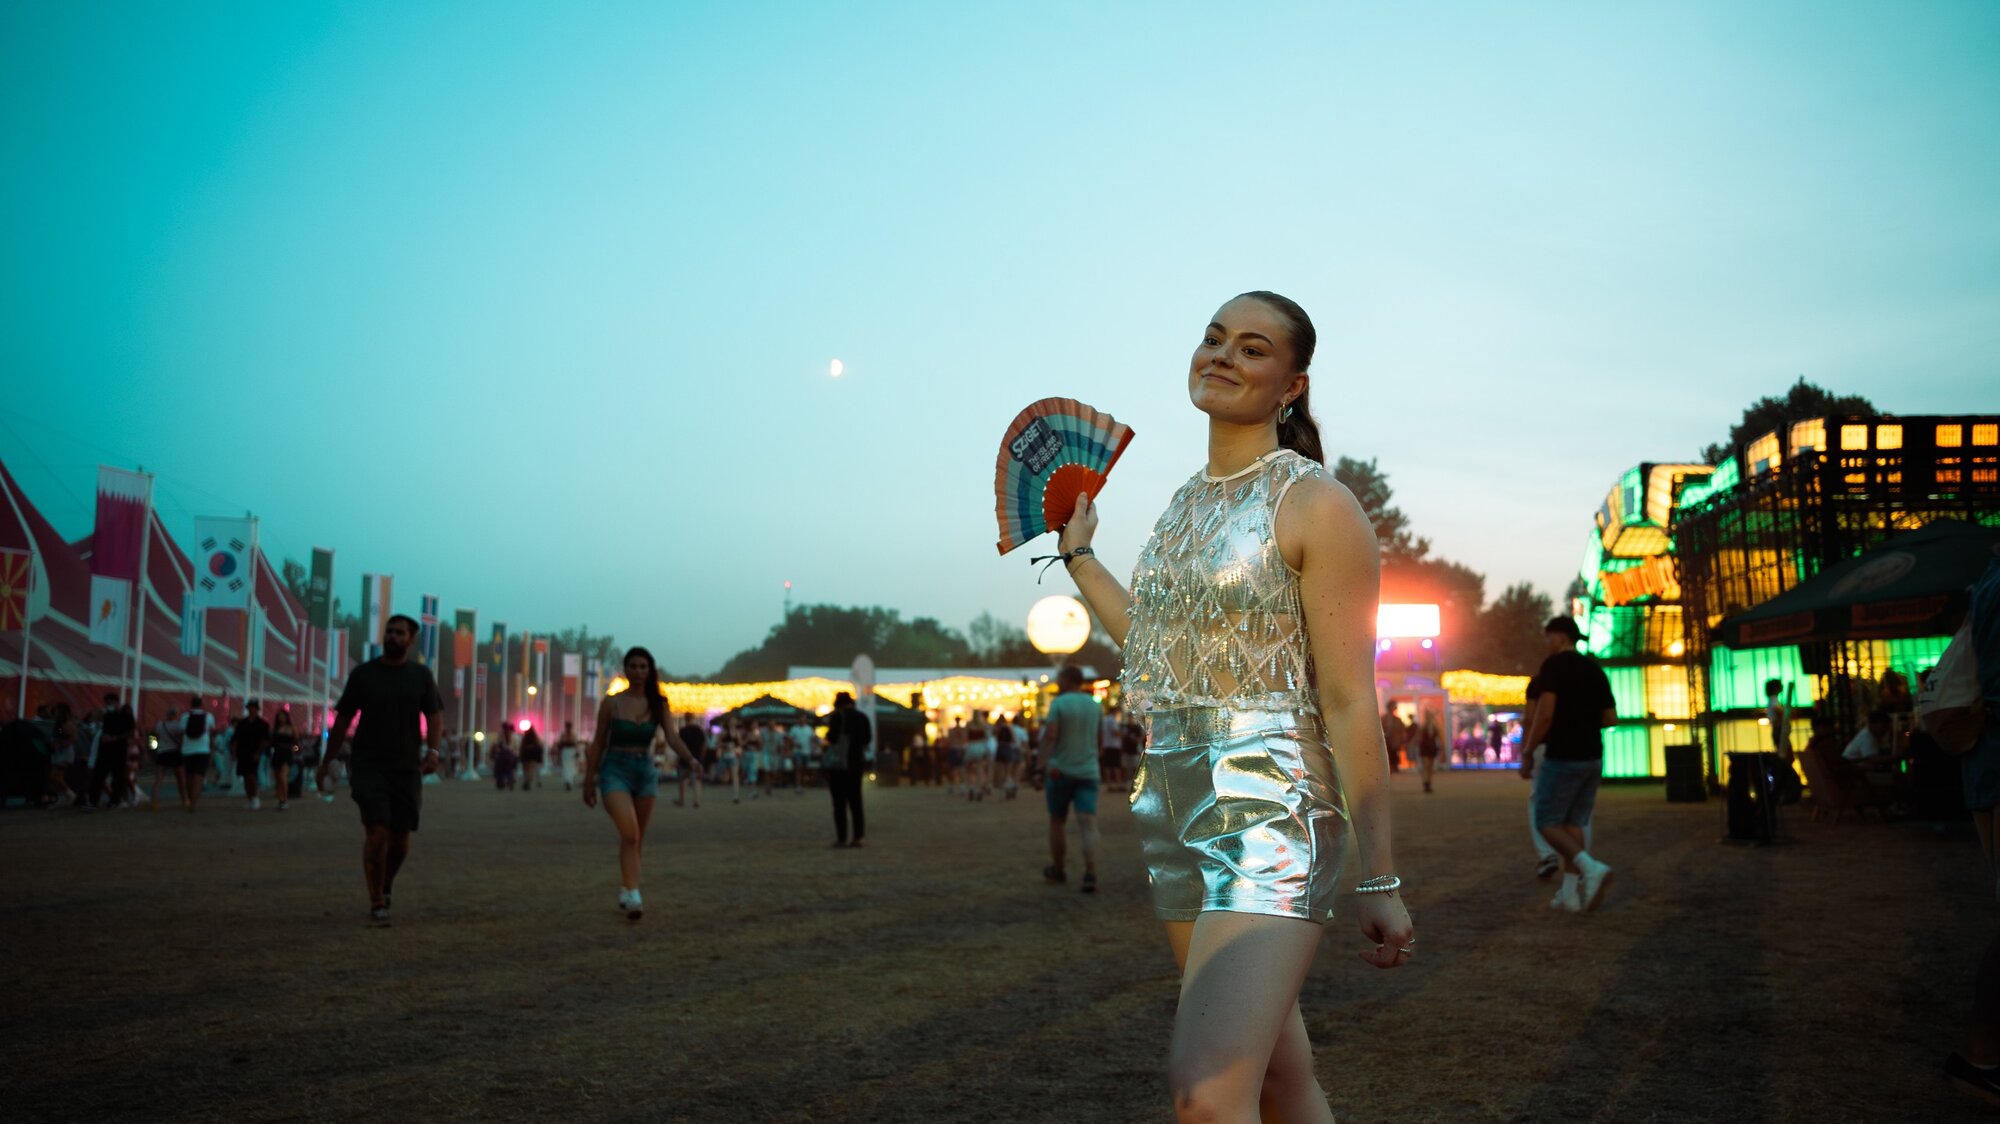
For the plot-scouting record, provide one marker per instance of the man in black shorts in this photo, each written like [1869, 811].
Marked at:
[400, 709]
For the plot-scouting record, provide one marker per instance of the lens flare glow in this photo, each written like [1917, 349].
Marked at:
[836, 368]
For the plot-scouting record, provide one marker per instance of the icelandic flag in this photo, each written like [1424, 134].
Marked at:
[427, 620]
[222, 563]
[194, 624]
[110, 611]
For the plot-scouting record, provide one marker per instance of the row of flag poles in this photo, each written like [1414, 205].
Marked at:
[224, 576]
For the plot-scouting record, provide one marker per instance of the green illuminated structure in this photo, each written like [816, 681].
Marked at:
[1630, 614]
[1678, 548]
[1788, 505]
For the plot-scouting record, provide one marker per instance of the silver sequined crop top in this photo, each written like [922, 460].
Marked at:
[1215, 617]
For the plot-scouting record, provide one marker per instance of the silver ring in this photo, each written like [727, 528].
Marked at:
[1411, 948]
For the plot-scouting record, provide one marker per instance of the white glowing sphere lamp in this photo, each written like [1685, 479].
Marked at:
[1058, 625]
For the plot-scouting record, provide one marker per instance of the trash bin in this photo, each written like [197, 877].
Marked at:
[1685, 784]
[1753, 797]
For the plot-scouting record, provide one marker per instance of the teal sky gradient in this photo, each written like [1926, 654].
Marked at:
[532, 304]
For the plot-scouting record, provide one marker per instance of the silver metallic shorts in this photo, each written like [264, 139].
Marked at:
[1239, 811]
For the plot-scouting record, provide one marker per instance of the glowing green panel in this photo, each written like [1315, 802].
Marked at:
[1724, 479]
[1736, 679]
[1628, 690]
[1628, 751]
[1616, 633]
[1916, 654]
[1633, 484]
[1593, 561]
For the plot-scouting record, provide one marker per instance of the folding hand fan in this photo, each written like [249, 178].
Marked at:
[1053, 450]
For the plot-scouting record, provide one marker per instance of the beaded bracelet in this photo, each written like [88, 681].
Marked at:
[1386, 884]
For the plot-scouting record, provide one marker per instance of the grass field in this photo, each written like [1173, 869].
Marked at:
[162, 966]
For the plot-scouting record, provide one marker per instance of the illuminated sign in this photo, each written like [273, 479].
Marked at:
[1412, 621]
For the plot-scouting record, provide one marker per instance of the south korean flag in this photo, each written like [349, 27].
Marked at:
[222, 563]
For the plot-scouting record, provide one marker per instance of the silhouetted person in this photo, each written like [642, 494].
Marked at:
[847, 737]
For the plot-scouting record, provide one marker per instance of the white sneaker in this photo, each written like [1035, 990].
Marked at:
[255, 803]
[624, 899]
[1567, 900]
[633, 908]
[1591, 884]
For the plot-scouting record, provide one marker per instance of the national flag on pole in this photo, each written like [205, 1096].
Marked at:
[319, 590]
[222, 563]
[110, 611]
[541, 661]
[592, 672]
[17, 572]
[375, 610]
[496, 653]
[463, 638]
[194, 624]
[458, 678]
[122, 498]
[572, 672]
[427, 623]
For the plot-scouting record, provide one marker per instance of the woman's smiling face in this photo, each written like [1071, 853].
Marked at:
[1242, 371]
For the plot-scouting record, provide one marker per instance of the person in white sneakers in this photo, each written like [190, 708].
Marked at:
[1569, 718]
[1547, 862]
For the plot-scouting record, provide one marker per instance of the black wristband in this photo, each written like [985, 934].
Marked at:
[1079, 552]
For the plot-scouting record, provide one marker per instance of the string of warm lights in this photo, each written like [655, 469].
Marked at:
[1486, 690]
[816, 694]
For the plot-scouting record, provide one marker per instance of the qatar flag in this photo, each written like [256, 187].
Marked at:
[122, 499]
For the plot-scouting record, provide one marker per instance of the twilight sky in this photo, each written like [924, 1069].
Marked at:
[532, 305]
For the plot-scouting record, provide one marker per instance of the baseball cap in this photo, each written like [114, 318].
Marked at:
[1564, 626]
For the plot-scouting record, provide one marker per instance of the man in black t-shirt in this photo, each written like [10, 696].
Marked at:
[1568, 718]
[695, 737]
[114, 742]
[246, 743]
[401, 711]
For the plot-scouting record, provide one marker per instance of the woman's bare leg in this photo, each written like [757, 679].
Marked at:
[642, 814]
[631, 836]
[1240, 979]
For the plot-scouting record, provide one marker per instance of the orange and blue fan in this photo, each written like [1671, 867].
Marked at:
[1054, 451]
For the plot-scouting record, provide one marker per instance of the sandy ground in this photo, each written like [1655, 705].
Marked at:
[161, 966]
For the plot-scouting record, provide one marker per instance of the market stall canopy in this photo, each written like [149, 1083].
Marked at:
[765, 708]
[1913, 585]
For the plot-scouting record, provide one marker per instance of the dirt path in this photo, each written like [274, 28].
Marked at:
[171, 967]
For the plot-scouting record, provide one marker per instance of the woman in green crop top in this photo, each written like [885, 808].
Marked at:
[620, 765]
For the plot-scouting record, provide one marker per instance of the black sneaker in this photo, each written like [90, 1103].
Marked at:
[1054, 874]
[1547, 868]
[1981, 1083]
[1089, 882]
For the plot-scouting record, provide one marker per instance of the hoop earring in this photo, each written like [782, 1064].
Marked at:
[1287, 415]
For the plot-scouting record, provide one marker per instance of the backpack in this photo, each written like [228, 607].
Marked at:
[197, 724]
[1951, 707]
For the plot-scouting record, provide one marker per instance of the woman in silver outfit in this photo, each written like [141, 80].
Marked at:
[1249, 637]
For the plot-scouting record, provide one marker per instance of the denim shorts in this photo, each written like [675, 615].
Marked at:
[628, 772]
[1566, 792]
[1063, 791]
[1981, 769]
